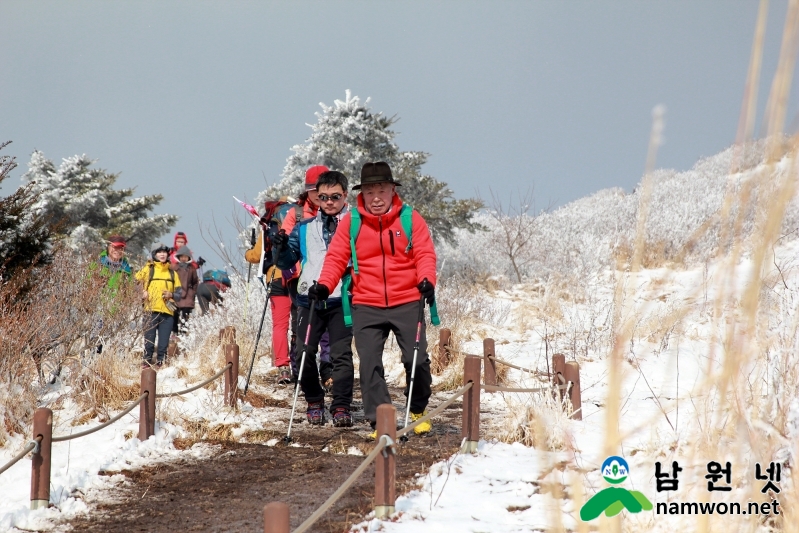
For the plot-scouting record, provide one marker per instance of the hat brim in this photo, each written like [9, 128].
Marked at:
[392, 182]
[117, 244]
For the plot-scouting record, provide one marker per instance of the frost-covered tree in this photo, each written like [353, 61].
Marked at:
[86, 208]
[24, 233]
[349, 134]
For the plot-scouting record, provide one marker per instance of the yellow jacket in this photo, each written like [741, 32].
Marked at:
[162, 280]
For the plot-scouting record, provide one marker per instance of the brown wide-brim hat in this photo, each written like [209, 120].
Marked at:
[378, 172]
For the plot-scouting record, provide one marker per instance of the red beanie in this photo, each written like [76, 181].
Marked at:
[312, 176]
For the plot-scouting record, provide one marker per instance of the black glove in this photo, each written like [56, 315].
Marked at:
[427, 290]
[280, 239]
[318, 292]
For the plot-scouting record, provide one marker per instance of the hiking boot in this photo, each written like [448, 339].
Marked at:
[284, 378]
[315, 413]
[145, 365]
[342, 417]
[373, 434]
[327, 384]
[422, 428]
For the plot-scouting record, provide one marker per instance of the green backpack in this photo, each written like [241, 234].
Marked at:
[406, 219]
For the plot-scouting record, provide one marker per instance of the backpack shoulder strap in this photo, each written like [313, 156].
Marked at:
[406, 219]
[152, 275]
[355, 228]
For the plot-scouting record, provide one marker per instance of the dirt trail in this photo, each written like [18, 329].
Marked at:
[227, 492]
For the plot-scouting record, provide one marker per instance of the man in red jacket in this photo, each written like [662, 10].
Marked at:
[391, 278]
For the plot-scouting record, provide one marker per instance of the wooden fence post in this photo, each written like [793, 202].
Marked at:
[443, 355]
[471, 404]
[227, 335]
[232, 374]
[385, 463]
[276, 518]
[558, 368]
[490, 365]
[573, 375]
[147, 405]
[40, 462]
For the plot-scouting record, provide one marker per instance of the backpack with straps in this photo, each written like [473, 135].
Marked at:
[406, 219]
[273, 218]
[152, 275]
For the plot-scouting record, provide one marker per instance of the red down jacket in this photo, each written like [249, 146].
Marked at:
[387, 275]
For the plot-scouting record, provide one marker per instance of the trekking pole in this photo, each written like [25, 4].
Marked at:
[249, 273]
[263, 315]
[287, 438]
[404, 438]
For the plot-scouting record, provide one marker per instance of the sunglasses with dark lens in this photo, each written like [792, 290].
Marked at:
[335, 197]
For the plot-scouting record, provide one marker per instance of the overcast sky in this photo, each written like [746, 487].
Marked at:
[199, 101]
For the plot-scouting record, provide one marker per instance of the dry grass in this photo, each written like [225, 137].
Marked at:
[539, 420]
[51, 334]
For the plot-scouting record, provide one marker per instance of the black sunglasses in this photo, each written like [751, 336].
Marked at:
[335, 197]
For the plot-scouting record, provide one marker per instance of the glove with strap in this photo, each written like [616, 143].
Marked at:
[318, 292]
[427, 290]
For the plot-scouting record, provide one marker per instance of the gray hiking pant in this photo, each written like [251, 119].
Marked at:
[370, 327]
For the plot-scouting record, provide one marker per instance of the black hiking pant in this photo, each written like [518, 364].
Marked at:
[332, 321]
[160, 323]
[370, 327]
[325, 366]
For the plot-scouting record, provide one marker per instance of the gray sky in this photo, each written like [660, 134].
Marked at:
[197, 100]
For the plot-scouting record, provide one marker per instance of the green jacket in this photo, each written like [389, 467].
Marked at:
[115, 275]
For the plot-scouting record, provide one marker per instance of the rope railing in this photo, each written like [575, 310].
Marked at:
[517, 367]
[436, 411]
[382, 443]
[43, 422]
[195, 387]
[499, 388]
[104, 424]
[32, 445]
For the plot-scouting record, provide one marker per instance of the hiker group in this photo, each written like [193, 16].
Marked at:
[335, 273]
[170, 286]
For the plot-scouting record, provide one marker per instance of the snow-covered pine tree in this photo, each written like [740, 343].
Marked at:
[86, 208]
[347, 135]
[24, 233]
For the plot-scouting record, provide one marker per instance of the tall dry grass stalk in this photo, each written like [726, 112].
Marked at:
[743, 416]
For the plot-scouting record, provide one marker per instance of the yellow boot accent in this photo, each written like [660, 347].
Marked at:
[422, 428]
[373, 435]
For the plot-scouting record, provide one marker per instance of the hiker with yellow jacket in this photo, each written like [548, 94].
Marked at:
[160, 289]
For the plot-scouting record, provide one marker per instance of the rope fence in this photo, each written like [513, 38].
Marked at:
[499, 388]
[195, 387]
[41, 445]
[104, 424]
[32, 445]
[528, 370]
